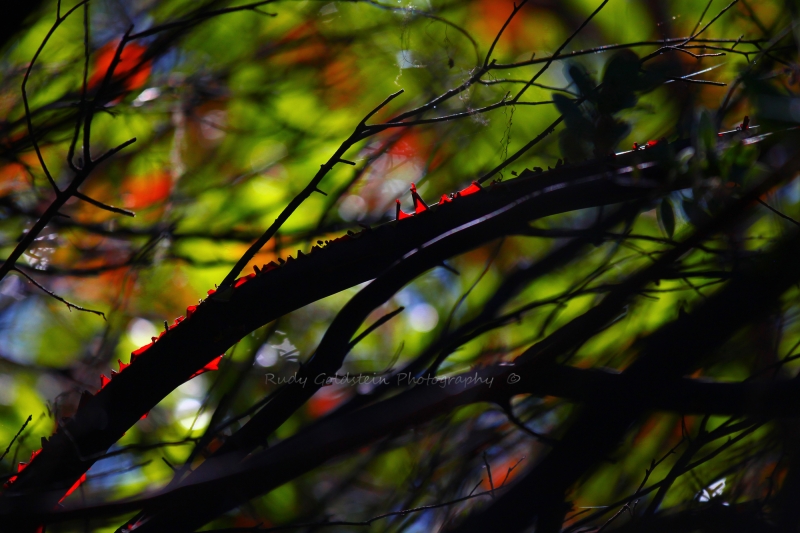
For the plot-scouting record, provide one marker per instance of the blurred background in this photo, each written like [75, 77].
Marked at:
[233, 116]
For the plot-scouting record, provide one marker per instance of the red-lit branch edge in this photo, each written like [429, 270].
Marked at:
[334, 436]
[229, 484]
[192, 343]
[334, 345]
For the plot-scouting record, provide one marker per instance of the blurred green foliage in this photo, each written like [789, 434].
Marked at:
[235, 116]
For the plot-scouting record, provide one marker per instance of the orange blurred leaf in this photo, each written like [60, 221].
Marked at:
[131, 70]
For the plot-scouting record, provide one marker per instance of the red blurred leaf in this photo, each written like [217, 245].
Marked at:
[130, 70]
[503, 471]
[325, 400]
[143, 191]
[302, 45]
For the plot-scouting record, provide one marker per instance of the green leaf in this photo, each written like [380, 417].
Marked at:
[666, 217]
[696, 214]
[706, 132]
[574, 118]
[583, 80]
[622, 69]
[620, 80]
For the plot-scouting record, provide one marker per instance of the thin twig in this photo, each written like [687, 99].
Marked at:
[380, 106]
[700, 82]
[357, 135]
[8, 448]
[87, 121]
[460, 115]
[489, 474]
[696, 56]
[84, 89]
[413, 10]
[514, 11]
[694, 34]
[145, 447]
[509, 411]
[648, 471]
[201, 16]
[471, 288]
[522, 82]
[702, 16]
[362, 523]
[69, 305]
[783, 216]
[519, 153]
[114, 150]
[31, 133]
[378, 323]
[611, 47]
[558, 51]
[106, 207]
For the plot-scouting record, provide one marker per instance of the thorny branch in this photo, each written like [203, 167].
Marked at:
[403, 120]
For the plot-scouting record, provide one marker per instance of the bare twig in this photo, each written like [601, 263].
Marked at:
[696, 56]
[8, 448]
[519, 153]
[694, 35]
[558, 51]
[145, 447]
[361, 523]
[69, 305]
[378, 323]
[702, 16]
[31, 133]
[103, 206]
[514, 11]
[84, 88]
[358, 134]
[628, 507]
[199, 17]
[113, 151]
[610, 47]
[489, 474]
[782, 215]
[413, 10]
[522, 82]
